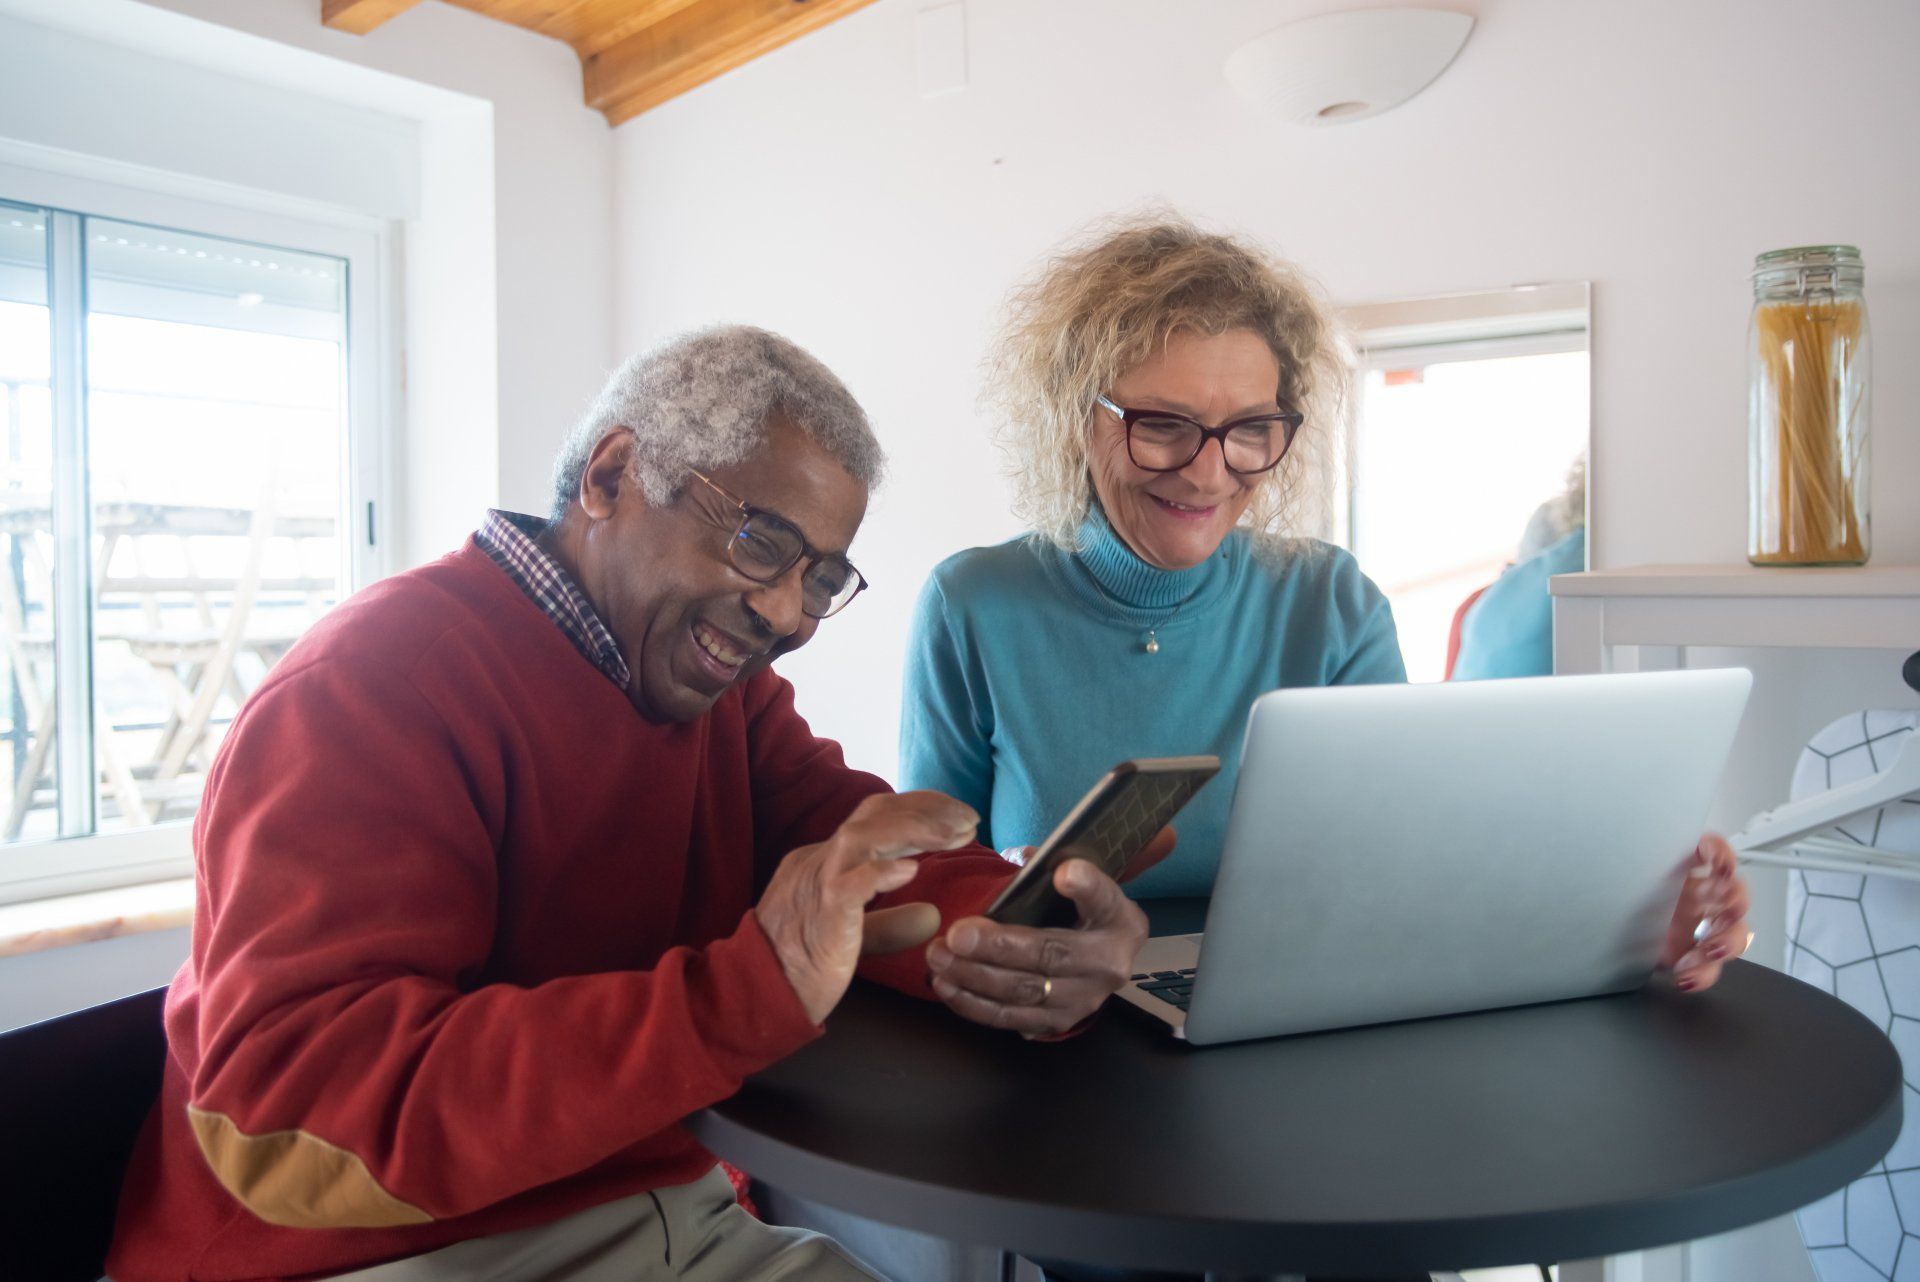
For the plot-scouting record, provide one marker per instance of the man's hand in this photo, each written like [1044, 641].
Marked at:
[814, 909]
[1710, 922]
[1040, 982]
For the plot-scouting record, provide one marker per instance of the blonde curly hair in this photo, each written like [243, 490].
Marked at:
[1114, 295]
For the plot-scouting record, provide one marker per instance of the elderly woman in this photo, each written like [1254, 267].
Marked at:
[1167, 396]
[1168, 401]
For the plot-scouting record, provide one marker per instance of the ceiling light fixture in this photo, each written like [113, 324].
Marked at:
[1341, 67]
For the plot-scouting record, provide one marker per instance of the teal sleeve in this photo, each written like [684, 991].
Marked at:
[1373, 657]
[946, 718]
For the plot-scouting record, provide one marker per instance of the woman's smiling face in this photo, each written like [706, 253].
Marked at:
[1177, 519]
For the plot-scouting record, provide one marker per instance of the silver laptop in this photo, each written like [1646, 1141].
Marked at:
[1402, 851]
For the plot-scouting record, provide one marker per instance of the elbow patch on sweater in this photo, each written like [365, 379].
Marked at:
[297, 1180]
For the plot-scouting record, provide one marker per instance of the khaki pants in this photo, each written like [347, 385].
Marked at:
[688, 1233]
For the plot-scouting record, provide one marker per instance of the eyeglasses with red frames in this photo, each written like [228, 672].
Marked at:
[766, 545]
[1163, 441]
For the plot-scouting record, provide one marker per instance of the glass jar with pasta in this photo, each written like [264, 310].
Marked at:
[1807, 409]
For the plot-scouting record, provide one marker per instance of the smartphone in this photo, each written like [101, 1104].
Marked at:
[1108, 827]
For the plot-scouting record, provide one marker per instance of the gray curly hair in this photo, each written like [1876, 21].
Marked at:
[704, 400]
[1112, 296]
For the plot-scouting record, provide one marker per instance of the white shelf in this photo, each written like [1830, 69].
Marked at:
[1867, 607]
[1868, 581]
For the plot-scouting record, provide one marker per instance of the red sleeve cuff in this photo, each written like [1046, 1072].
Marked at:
[762, 1019]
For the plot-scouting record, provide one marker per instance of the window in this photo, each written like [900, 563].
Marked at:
[187, 483]
[1473, 413]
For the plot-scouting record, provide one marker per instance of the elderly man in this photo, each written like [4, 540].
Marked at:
[521, 857]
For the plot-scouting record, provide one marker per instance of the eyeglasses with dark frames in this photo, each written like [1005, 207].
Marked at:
[1163, 441]
[765, 546]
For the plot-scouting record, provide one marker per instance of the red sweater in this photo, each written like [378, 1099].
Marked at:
[471, 937]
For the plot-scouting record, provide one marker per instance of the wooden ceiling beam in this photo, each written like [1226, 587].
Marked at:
[634, 16]
[358, 17]
[588, 25]
[692, 45]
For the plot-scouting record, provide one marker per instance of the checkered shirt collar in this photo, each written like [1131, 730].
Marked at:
[508, 540]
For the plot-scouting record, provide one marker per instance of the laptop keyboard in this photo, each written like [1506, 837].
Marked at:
[1175, 987]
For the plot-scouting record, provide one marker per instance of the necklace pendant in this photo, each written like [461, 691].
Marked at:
[1153, 642]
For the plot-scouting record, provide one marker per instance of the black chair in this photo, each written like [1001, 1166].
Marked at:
[73, 1093]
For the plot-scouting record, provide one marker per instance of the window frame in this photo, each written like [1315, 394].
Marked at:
[66, 185]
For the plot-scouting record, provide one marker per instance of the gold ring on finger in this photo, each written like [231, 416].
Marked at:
[1747, 945]
[1046, 989]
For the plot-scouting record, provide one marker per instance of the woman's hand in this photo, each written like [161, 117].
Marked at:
[1041, 982]
[1714, 903]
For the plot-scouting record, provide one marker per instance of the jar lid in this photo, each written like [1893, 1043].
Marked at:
[1808, 256]
[1817, 267]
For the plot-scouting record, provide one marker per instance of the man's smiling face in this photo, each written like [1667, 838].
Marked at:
[689, 624]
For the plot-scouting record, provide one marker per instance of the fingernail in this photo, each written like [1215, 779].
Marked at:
[943, 987]
[963, 938]
[1717, 953]
[1686, 983]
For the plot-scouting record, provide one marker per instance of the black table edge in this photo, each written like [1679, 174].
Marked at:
[1540, 1235]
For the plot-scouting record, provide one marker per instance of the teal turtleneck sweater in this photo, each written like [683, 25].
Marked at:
[1028, 677]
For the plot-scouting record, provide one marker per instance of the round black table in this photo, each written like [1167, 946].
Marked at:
[1538, 1133]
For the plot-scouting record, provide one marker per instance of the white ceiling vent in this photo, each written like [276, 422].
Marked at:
[1341, 67]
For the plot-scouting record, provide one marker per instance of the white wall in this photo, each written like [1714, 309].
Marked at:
[72, 93]
[1650, 147]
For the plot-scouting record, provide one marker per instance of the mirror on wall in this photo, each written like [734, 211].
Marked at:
[1468, 449]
